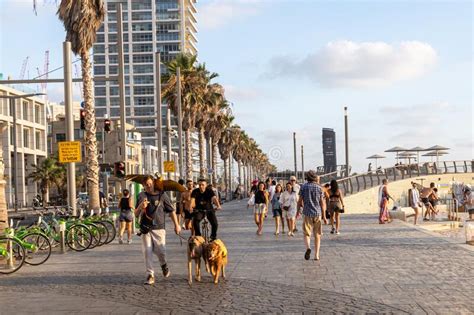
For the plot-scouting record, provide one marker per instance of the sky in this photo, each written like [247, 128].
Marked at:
[403, 68]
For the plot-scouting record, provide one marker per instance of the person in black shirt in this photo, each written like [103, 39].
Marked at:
[126, 216]
[152, 206]
[201, 205]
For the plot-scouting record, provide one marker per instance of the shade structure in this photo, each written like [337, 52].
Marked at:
[396, 150]
[407, 155]
[437, 154]
[376, 157]
[417, 150]
[437, 148]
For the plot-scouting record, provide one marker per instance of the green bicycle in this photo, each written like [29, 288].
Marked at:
[12, 254]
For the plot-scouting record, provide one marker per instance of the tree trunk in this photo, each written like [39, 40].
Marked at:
[90, 140]
[189, 154]
[214, 163]
[202, 152]
[230, 176]
[224, 186]
[244, 175]
[45, 195]
[239, 167]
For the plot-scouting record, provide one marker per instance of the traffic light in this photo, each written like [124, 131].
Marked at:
[119, 169]
[83, 119]
[107, 125]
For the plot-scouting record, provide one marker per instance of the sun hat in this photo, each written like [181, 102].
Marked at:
[311, 176]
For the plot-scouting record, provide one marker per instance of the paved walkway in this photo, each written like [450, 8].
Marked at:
[369, 268]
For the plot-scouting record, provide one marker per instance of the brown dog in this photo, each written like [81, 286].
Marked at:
[195, 252]
[216, 255]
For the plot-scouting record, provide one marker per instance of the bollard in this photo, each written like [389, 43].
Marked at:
[10, 232]
[62, 240]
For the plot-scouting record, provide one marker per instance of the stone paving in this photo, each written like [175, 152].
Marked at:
[369, 268]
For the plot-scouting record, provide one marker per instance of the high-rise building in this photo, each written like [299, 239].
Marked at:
[329, 150]
[168, 26]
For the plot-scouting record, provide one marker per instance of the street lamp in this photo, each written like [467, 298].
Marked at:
[15, 146]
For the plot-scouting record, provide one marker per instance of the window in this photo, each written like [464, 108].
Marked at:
[100, 112]
[99, 49]
[143, 101]
[142, 48]
[168, 47]
[100, 102]
[144, 111]
[164, 28]
[167, 36]
[142, 37]
[78, 134]
[26, 138]
[38, 140]
[137, 27]
[139, 90]
[60, 137]
[12, 107]
[143, 69]
[38, 114]
[99, 70]
[25, 110]
[99, 90]
[142, 58]
[141, 16]
[99, 59]
[165, 5]
[145, 122]
[115, 112]
[141, 5]
[143, 79]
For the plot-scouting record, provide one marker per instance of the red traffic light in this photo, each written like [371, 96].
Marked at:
[107, 125]
[83, 119]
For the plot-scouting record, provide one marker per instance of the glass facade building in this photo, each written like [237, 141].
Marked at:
[168, 26]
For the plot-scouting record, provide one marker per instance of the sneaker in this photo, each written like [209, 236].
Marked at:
[129, 241]
[337, 232]
[150, 280]
[333, 230]
[120, 241]
[166, 271]
[307, 254]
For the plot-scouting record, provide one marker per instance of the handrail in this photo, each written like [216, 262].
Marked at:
[360, 182]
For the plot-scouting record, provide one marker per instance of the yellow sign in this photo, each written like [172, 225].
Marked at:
[169, 166]
[70, 151]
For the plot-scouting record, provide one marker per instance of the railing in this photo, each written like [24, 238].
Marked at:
[360, 182]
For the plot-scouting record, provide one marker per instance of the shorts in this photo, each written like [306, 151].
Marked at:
[188, 215]
[312, 224]
[334, 206]
[426, 201]
[260, 208]
[178, 210]
[277, 213]
[126, 216]
[434, 203]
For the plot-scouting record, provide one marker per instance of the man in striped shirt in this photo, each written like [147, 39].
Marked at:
[313, 203]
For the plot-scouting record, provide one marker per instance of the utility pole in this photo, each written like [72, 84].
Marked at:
[121, 81]
[168, 137]
[180, 123]
[71, 167]
[346, 131]
[302, 164]
[294, 154]
[159, 118]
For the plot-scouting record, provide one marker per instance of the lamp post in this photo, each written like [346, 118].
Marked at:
[346, 133]
[15, 143]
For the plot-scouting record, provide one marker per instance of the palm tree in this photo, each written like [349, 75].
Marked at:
[81, 20]
[47, 173]
[192, 89]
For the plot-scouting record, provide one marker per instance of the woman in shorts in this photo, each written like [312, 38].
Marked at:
[260, 206]
[336, 206]
[276, 206]
[126, 216]
[288, 201]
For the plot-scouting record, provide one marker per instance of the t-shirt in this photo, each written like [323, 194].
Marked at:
[260, 197]
[311, 193]
[155, 209]
[203, 200]
[271, 191]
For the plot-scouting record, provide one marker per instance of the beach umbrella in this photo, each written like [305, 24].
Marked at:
[396, 150]
[407, 155]
[376, 157]
[417, 150]
[437, 149]
[435, 153]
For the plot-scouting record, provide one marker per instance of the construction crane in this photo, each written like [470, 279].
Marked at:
[23, 68]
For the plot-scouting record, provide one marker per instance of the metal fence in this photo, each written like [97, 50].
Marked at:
[360, 182]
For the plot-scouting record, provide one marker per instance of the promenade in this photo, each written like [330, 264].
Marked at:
[369, 268]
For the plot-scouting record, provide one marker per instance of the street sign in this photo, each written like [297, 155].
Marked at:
[70, 151]
[169, 166]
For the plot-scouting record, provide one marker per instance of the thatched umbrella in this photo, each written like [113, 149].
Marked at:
[407, 155]
[435, 153]
[417, 150]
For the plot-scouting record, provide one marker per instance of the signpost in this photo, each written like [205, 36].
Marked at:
[169, 166]
[70, 152]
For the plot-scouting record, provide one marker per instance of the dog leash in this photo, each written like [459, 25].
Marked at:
[181, 238]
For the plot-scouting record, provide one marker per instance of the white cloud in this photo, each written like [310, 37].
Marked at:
[349, 64]
[241, 94]
[216, 13]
